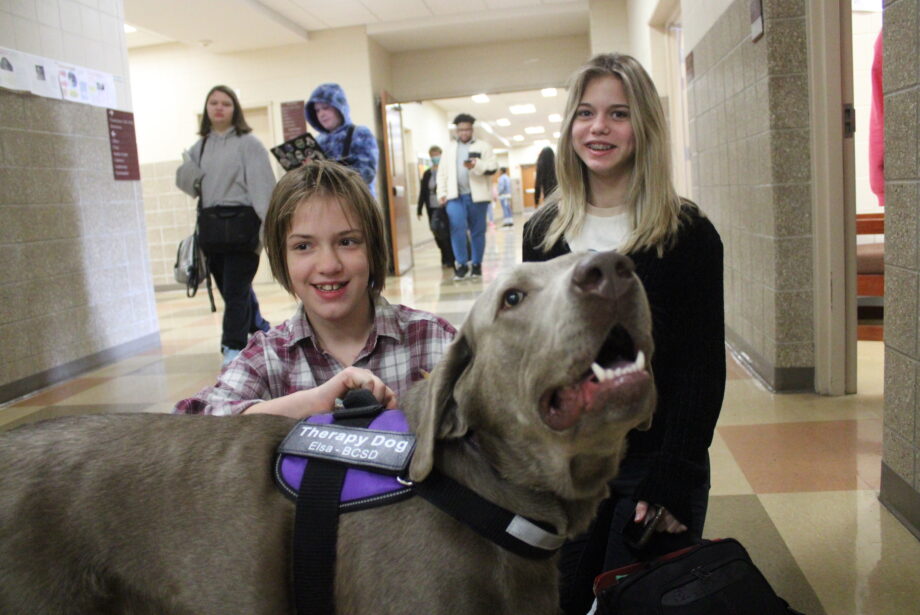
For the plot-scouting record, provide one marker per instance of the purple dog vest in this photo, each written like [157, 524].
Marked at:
[362, 488]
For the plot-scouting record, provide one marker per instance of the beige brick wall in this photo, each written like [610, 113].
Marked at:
[901, 441]
[75, 281]
[749, 135]
[170, 216]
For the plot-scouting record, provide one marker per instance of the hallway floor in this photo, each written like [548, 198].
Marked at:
[795, 477]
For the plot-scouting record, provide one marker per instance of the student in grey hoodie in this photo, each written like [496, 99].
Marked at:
[229, 166]
[328, 113]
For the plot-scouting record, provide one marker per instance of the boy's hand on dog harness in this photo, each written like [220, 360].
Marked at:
[668, 522]
[301, 404]
[357, 378]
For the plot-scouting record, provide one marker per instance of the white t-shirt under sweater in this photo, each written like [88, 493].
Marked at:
[604, 229]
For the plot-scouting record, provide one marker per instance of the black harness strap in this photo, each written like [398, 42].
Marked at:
[316, 520]
[530, 539]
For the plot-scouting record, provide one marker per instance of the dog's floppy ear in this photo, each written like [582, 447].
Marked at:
[439, 418]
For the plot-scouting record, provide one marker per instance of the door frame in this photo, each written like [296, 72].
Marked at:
[830, 77]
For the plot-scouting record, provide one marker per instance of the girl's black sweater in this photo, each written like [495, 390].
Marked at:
[684, 289]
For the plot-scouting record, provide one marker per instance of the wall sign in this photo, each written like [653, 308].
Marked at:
[123, 143]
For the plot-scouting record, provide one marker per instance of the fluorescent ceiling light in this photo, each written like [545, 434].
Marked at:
[548, 92]
[522, 109]
[557, 134]
[535, 130]
[555, 117]
[487, 128]
[541, 143]
[129, 29]
[500, 151]
[480, 98]
[503, 121]
[518, 137]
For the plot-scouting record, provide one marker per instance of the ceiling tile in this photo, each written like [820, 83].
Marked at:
[397, 10]
[451, 7]
[340, 13]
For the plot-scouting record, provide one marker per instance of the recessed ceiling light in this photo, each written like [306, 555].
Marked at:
[480, 98]
[518, 137]
[487, 128]
[522, 109]
[557, 134]
[503, 121]
[555, 117]
[129, 29]
[535, 130]
[548, 92]
[541, 143]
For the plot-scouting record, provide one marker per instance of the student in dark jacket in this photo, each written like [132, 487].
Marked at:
[437, 213]
[328, 113]
[615, 192]
[545, 180]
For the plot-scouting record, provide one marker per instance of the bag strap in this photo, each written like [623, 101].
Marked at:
[199, 207]
[348, 135]
[204, 141]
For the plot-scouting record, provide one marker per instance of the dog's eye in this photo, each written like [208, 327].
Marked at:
[512, 298]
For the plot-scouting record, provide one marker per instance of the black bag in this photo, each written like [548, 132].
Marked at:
[716, 577]
[228, 228]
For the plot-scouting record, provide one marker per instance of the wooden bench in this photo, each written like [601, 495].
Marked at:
[870, 268]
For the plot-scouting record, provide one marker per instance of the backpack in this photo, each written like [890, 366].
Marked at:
[716, 577]
[191, 268]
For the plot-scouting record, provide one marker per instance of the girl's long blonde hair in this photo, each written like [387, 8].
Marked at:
[651, 197]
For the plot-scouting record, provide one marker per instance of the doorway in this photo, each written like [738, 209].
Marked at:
[528, 185]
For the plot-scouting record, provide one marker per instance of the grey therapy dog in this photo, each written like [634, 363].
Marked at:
[137, 514]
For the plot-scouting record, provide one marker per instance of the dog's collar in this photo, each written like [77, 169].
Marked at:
[527, 538]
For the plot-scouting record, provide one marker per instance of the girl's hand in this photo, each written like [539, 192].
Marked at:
[668, 522]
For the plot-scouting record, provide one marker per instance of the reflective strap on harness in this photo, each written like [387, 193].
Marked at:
[517, 534]
[527, 531]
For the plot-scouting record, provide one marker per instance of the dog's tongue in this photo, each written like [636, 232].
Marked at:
[566, 404]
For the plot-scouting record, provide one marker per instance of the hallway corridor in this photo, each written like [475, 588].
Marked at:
[795, 477]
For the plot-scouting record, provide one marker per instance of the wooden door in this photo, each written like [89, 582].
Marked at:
[528, 181]
[396, 212]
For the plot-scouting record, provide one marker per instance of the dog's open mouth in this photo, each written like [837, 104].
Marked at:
[617, 375]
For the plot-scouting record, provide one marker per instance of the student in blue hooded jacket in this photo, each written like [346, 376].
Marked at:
[328, 113]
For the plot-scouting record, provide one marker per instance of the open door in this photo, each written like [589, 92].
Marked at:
[528, 184]
[830, 77]
[397, 209]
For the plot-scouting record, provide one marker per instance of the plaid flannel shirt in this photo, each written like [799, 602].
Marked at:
[402, 343]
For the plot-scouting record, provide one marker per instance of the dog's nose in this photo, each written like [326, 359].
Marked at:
[606, 274]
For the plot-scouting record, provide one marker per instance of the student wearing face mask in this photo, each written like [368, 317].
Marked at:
[437, 212]
[328, 113]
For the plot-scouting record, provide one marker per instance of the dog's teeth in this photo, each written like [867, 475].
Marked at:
[599, 372]
[640, 361]
[611, 373]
